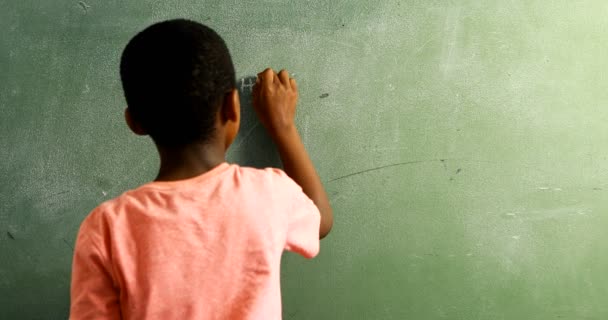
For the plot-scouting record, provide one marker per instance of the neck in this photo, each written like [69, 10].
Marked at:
[189, 161]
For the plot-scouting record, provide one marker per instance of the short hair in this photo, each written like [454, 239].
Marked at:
[175, 75]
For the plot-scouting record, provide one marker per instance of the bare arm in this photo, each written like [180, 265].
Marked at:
[275, 100]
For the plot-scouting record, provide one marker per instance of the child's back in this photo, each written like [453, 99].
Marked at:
[205, 248]
[205, 239]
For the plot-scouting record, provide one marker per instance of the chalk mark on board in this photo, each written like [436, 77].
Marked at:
[247, 134]
[248, 83]
[547, 214]
[85, 6]
[10, 235]
[426, 43]
[417, 51]
[451, 27]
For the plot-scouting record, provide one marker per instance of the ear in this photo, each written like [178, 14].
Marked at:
[133, 125]
[230, 116]
[231, 107]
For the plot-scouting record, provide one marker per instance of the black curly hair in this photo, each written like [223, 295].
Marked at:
[175, 75]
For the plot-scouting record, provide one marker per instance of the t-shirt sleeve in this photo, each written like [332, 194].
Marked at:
[303, 219]
[93, 294]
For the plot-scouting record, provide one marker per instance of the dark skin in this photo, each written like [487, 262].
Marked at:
[193, 160]
[275, 98]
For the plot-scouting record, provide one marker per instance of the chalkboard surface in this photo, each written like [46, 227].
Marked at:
[463, 143]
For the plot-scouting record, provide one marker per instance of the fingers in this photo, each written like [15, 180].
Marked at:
[293, 84]
[256, 86]
[284, 77]
[266, 77]
[269, 77]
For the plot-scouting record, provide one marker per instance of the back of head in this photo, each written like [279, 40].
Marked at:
[175, 75]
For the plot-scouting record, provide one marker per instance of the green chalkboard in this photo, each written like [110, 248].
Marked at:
[464, 146]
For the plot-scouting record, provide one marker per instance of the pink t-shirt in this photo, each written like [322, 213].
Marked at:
[203, 248]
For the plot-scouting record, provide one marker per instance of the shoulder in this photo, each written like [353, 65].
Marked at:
[96, 225]
[276, 185]
[255, 171]
[94, 220]
[267, 176]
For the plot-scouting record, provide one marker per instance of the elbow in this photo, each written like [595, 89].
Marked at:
[327, 222]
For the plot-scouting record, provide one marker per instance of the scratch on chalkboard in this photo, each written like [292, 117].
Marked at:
[442, 161]
[84, 6]
[383, 167]
[10, 235]
[68, 244]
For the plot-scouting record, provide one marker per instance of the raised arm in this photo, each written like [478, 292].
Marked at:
[275, 97]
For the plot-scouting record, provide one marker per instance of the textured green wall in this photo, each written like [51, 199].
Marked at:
[463, 144]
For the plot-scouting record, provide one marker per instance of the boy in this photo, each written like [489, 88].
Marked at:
[204, 239]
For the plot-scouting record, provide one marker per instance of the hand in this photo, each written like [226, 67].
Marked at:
[274, 99]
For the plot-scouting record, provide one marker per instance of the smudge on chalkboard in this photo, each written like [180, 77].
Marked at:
[84, 6]
[10, 235]
[323, 96]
